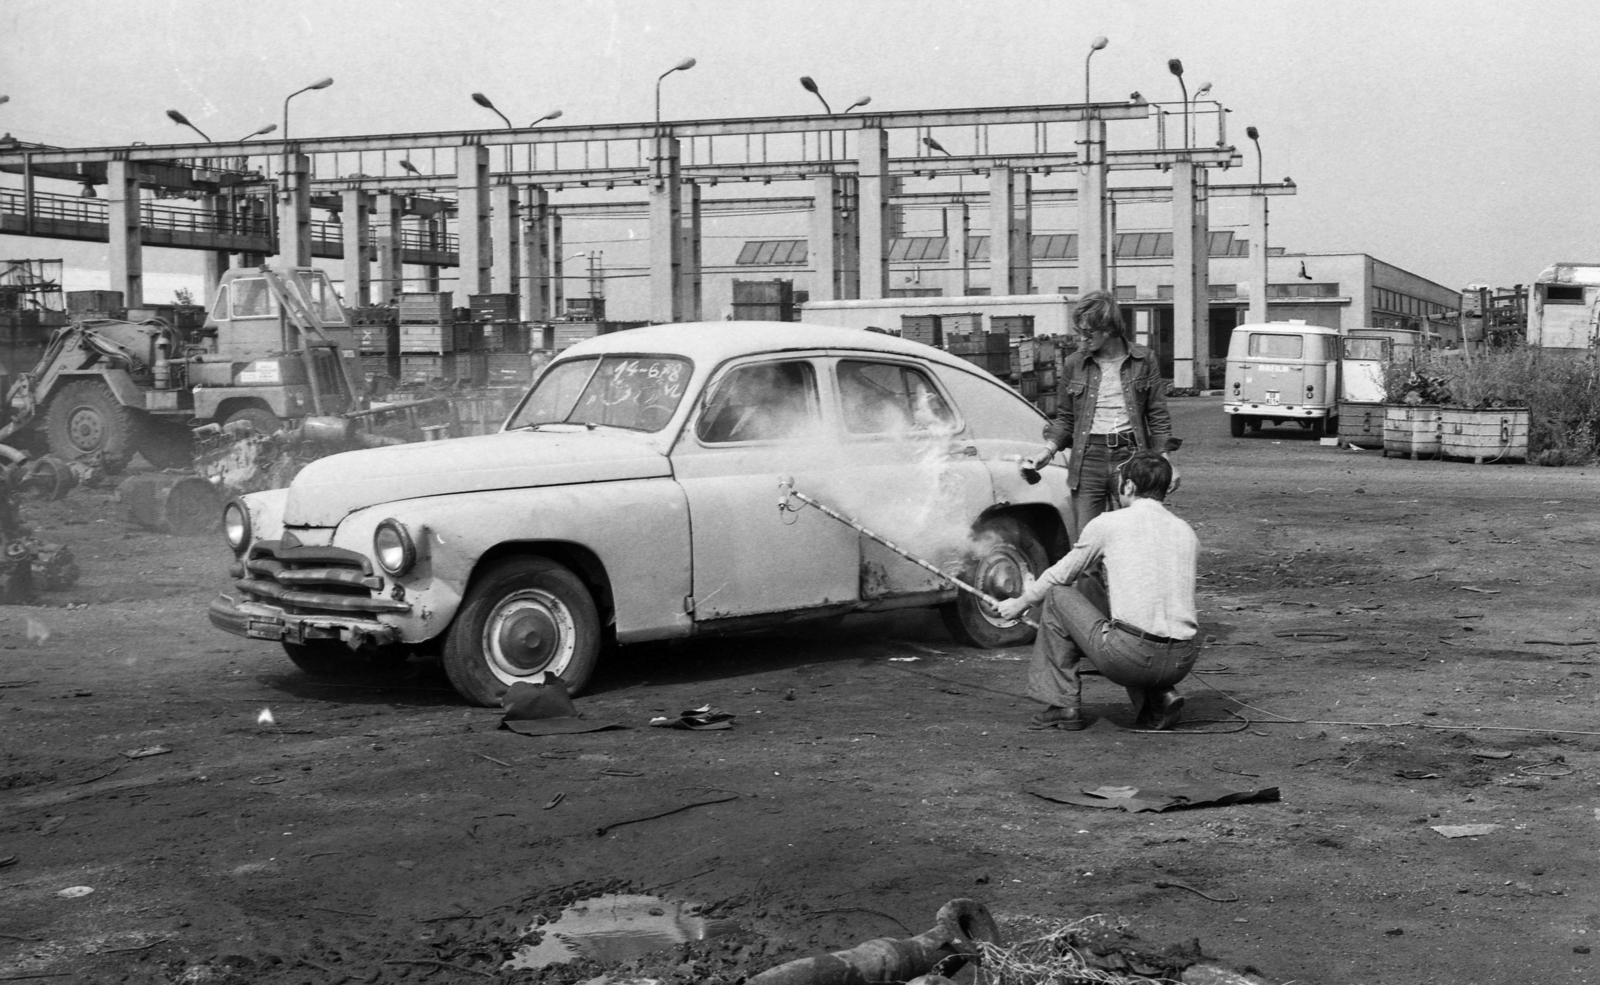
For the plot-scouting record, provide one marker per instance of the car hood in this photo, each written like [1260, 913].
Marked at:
[331, 488]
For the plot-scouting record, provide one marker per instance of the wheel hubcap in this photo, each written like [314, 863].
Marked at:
[530, 631]
[85, 429]
[1001, 574]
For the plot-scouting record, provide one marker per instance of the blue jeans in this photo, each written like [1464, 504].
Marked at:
[1072, 625]
[1099, 478]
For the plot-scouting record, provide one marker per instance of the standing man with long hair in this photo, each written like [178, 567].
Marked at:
[1110, 403]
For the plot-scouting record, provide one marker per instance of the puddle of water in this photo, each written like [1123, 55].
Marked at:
[615, 928]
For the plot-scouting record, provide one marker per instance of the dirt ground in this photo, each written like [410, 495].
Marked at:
[381, 830]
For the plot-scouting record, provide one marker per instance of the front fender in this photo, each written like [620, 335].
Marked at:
[637, 529]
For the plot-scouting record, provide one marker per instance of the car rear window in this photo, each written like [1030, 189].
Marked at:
[761, 402]
[1276, 346]
[887, 398]
[639, 393]
[1355, 348]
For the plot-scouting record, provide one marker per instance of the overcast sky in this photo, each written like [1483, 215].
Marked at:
[1454, 139]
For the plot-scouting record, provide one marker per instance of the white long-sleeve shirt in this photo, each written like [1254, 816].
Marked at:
[1150, 568]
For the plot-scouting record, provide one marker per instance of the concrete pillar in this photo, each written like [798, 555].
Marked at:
[690, 283]
[1095, 242]
[536, 255]
[1010, 232]
[874, 213]
[294, 211]
[558, 280]
[850, 239]
[252, 216]
[216, 261]
[505, 239]
[666, 240]
[123, 234]
[357, 228]
[1259, 275]
[472, 223]
[826, 238]
[958, 229]
[386, 233]
[1184, 331]
[1202, 280]
[1111, 246]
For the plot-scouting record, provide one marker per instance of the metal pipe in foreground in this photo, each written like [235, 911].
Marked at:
[951, 943]
[786, 487]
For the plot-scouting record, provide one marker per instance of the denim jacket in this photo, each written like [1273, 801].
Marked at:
[1143, 389]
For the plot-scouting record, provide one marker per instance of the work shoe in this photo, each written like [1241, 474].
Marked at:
[1168, 712]
[1056, 717]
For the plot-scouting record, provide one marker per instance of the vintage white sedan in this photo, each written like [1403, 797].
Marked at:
[639, 492]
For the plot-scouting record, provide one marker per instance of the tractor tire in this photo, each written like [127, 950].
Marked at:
[261, 419]
[85, 419]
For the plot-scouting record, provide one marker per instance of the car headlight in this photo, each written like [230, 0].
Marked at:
[392, 545]
[236, 525]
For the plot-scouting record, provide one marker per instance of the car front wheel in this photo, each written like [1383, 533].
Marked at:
[523, 617]
[1004, 550]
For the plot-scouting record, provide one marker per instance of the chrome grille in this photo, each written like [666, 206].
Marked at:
[313, 580]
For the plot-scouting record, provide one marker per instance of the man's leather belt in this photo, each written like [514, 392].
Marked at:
[1114, 439]
[1147, 637]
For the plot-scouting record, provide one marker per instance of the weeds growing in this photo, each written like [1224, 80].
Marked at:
[1560, 389]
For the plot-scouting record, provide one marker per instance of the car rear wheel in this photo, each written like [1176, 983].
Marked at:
[522, 618]
[1236, 425]
[1005, 550]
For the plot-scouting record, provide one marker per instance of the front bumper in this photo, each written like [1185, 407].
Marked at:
[260, 621]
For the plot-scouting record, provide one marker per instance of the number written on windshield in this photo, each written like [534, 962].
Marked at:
[639, 393]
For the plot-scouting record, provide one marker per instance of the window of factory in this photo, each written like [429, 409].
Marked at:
[918, 249]
[772, 252]
[1302, 290]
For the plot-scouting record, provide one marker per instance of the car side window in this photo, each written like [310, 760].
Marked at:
[890, 398]
[761, 402]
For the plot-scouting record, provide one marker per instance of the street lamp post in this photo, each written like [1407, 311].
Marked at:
[682, 66]
[1094, 46]
[1204, 88]
[319, 84]
[183, 121]
[810, 85]
[1176, 68]
[483, 101]
[1255, 138]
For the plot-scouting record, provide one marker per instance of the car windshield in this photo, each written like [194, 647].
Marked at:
[639, 393]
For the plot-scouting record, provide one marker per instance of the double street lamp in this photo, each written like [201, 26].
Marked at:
[484, 101]
[183, 121]
[810, 85]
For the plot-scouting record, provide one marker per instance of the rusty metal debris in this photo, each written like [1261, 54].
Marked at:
[952, 943]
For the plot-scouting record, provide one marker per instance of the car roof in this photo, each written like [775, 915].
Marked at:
[710, 343]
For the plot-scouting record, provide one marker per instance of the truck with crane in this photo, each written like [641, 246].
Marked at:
[276, 346]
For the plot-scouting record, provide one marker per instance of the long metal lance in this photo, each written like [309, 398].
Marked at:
[790, 491]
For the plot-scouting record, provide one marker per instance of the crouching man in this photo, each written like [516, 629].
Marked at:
[1149, 557]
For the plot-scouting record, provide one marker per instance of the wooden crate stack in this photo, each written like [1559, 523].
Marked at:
[990, 350]
[427, 339]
